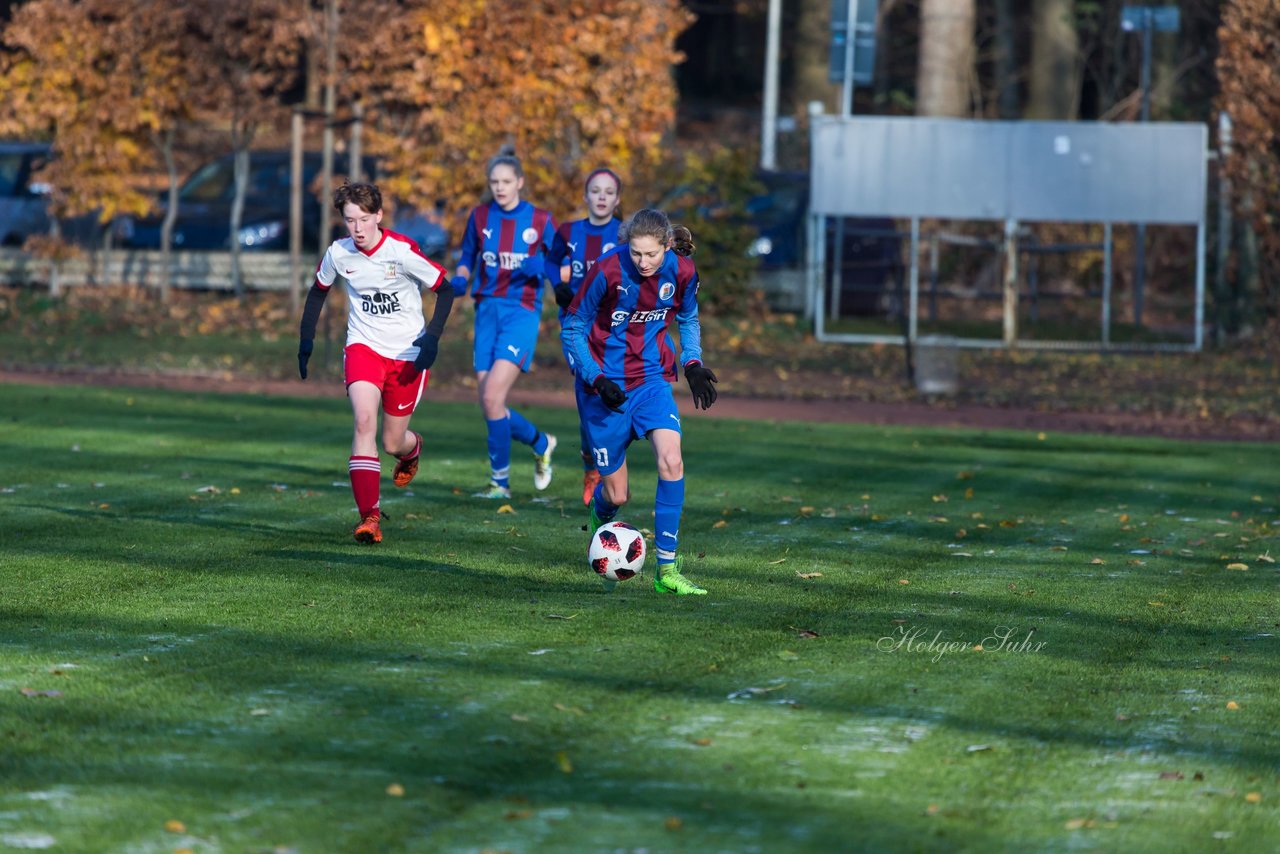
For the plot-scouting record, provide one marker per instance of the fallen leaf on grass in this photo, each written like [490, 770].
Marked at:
[1097, 561]
[395, 790]
[1170, 775]
[720, 524]
[506, 508]
[563, 763]
[754, 692]
[903, 581]
[1232, 705]
[1077, 823]
[1237, 566]
[1156, 604]
[778, 561]
[175, 826]
[259, 713]
[560, 616]
[1266, 558]
[808, 574]
[978, 748]
[673, 824]
[209, 490]
[1254, 797]
[939, 498]
[561, 707]
[518, 815]
[804, 633]
[520, 719]
[702, 742]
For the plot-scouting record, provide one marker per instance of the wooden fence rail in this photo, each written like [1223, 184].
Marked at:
[260, 271]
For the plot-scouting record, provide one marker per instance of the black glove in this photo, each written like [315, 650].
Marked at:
[305, 346]
[564, 295]
[610, 395]
[428, 347]
[700, 383]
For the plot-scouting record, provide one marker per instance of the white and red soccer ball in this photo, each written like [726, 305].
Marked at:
[617, 551]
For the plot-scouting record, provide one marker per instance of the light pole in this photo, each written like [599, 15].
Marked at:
[769, 124]
[1146, 20]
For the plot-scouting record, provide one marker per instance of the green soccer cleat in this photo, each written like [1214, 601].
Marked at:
[542, 465]
[669, 580]
[493, 490]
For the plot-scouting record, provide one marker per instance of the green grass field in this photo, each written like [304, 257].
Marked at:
[195, 655]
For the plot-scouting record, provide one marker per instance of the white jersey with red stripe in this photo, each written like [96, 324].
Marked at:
[384, 286]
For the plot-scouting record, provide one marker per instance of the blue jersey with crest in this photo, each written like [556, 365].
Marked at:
[497, 241]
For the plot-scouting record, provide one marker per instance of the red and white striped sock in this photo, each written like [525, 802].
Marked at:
[417, 449]
[366, 474]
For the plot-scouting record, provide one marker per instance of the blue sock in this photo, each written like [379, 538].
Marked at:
[523, 431]
[604, 510]
[500, 450]
[667, 506]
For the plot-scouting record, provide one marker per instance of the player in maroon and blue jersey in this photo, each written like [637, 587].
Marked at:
[503, 245]
[617, 340]
[573, 253]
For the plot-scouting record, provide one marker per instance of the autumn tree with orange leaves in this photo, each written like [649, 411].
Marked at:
[1249, 80]
[571, 85]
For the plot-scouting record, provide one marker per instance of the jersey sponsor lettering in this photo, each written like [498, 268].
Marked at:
[620, 317]
[510, 260]
[379, 302]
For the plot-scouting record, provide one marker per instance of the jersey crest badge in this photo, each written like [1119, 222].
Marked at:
[389, 270]
[666, 291]
[530, 236]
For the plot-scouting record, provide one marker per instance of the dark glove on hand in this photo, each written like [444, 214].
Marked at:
[532, 266]
[428, 347]
[610, 395]
[700, 383]
[305, 346]
[459, 285]
[564, 296]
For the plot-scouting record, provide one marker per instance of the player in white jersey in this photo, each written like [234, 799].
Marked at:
[389, 352]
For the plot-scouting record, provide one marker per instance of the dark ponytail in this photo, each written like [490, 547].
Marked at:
[655, 224]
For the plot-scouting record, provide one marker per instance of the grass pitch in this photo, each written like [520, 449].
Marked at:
[195, 655]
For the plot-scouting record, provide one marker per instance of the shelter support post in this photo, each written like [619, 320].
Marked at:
[1010, 282]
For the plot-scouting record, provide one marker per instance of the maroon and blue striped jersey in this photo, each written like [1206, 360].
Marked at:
[579, 244]
[494, 244]
[618, 323]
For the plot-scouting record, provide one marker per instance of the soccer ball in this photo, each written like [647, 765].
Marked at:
[617, 551]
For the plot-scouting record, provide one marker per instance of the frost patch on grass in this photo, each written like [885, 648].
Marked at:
[27, 840]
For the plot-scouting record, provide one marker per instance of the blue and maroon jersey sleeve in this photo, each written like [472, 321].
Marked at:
[504, 239]
[470, 244]
[687, 312]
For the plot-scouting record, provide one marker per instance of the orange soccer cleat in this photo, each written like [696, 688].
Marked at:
[370, 528]
[589, 480]
[407, 467]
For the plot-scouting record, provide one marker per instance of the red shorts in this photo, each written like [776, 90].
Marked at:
[400, 382]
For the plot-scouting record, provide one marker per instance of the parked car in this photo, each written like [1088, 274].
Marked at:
[204, 208]
[24, 204]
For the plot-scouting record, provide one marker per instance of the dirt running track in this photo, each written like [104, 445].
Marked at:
[728, 406]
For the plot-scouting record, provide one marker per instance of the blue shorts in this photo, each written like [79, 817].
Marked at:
[504, 330]
[649, 407]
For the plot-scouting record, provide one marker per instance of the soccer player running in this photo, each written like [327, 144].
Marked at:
[502, 244]
[616, 334]
[573, 253]
[389, 353]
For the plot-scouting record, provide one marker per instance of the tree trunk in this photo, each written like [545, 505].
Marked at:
[1055, 61]
[946, 70]
[1164, 75]
[165, 144]
[1006, 62]
[810, 53]
[241, 138]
